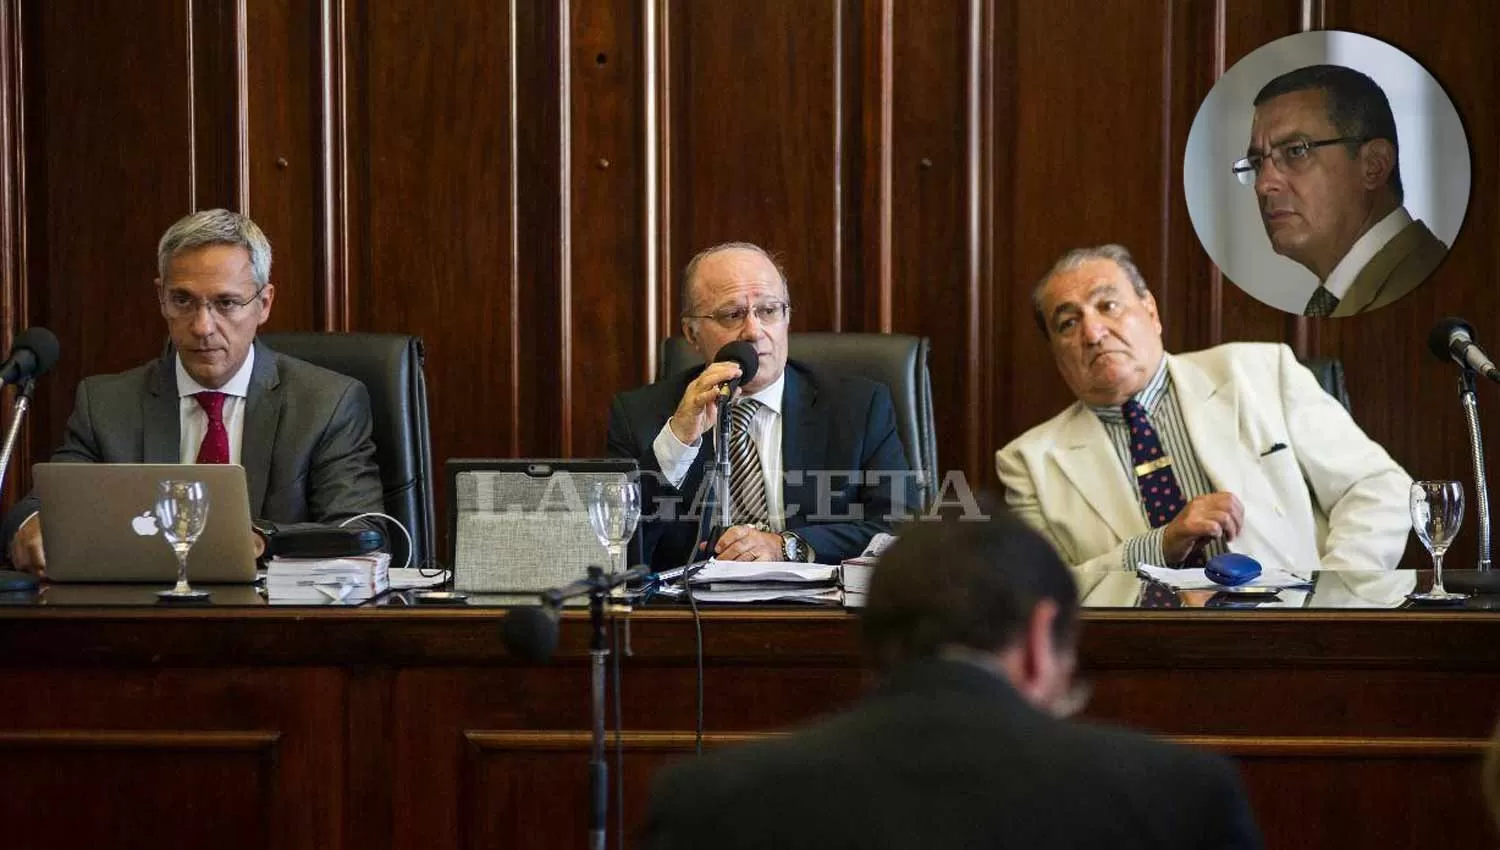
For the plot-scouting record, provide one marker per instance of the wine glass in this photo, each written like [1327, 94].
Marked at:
[614, 510]
[1437, 511]
[182, 511]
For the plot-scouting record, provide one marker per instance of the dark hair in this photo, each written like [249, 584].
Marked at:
[964, 581]
[1356, 107]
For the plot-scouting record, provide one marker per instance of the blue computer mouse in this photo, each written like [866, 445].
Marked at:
[1232, 568]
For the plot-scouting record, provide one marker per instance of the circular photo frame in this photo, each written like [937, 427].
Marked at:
[1298, 193]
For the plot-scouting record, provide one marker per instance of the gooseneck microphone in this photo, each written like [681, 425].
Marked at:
[1453, 339]
[35, 351]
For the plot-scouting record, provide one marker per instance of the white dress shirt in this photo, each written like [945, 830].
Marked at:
[676, 457]
[193, 421]
[1364, 250]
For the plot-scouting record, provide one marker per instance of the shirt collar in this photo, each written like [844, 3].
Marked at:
[771, 396]
[1149, 396]
[1364, 250]
[238, 386]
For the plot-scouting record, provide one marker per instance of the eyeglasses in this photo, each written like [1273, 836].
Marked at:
[1290, 157]
[180, 305]
[732, 318]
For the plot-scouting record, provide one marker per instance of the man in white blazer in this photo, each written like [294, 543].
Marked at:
[1268, 464]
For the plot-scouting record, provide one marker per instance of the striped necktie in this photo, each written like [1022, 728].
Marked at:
[747, 483]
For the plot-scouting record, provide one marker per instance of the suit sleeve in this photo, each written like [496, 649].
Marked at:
[887, 490]
[1355, 482]
[1225, 819]
[1020, 496]
[79, 446]
[343, 479]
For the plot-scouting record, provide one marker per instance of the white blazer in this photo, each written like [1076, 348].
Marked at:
[1332, 498]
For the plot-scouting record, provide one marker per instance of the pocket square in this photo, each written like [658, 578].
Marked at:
[1273, 449]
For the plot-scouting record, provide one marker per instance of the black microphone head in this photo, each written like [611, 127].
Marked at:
[43, 348]
[744, 354]
[530, 633]
[1440, 340]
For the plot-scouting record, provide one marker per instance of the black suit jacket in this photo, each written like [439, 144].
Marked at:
[846, 472]
[948, 755]
[306, 447]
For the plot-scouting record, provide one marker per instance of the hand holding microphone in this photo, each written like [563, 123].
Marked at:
[735, 364]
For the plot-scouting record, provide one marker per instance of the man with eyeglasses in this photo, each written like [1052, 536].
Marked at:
[817, 466]
[972, 623]
[1168, 459]
[1325, 162]
[217, 395]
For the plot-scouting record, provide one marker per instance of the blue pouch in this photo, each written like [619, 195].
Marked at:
[1232, 568]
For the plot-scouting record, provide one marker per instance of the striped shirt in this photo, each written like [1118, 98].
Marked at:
[1159, 399]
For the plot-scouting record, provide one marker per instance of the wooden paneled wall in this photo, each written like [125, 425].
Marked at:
[520, 181]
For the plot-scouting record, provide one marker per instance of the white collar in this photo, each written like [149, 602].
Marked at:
[239, 385]
[771, 396]
[1364, 250]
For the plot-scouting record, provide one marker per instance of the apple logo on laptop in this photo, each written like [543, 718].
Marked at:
[144, 525]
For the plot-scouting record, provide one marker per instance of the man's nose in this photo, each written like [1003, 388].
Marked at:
[1094, 328]
[1268, 179]
[203, 320]
[751, 328]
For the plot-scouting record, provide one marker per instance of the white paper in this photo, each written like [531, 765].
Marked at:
[1197, 579]
[786, 571]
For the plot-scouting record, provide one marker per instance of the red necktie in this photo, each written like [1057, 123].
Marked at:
[215, 446]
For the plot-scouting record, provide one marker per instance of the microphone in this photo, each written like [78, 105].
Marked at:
[34, 352]
[742, 353]
[530, 633]
[1453, 339]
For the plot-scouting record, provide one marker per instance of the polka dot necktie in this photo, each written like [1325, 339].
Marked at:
[1161, 497]
[215, 445]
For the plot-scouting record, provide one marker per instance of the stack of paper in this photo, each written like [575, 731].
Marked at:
[854, 573]
[327, 581]
[762, 581]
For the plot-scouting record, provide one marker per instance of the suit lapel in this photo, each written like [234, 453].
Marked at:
[803, 435]
[262, 412]
[1210, 411]
[1086, 455]
[1377, 272]
[161, 418]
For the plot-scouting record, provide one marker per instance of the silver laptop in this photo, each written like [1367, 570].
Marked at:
[99, 525]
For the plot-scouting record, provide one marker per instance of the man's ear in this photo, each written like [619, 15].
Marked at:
[689, 333]
[1377, 161]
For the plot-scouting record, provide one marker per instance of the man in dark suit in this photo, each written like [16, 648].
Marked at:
[973, 623]
[217, 395]
[818, 466]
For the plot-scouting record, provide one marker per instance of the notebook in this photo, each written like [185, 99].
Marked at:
[99, 525]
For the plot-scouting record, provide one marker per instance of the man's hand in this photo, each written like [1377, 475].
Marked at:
[747, 543]
[1216, 516]
[26, 552]
[258, 542]
[697, 412]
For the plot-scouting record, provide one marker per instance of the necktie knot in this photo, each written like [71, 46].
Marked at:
[1322, 303]
[212, 404]
[742, 412]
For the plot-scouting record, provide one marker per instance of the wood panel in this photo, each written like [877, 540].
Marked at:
[108, 130]
[414, 728]
[521, 182]
[756, 139]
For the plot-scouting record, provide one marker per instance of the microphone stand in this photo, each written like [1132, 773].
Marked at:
[722, 503]
[1476, 449]
[598, 767]
[12, 580]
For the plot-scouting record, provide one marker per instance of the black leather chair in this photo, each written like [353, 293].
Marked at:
[391, 368]
[897, 360]
[1330, 374]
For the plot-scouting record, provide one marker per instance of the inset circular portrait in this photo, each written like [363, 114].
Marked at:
[1327, 173]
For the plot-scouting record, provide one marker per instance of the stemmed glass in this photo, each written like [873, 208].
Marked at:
[614, 510]
[1437, 512]
[182, 511]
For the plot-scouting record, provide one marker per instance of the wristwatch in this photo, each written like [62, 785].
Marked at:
[793, 548]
